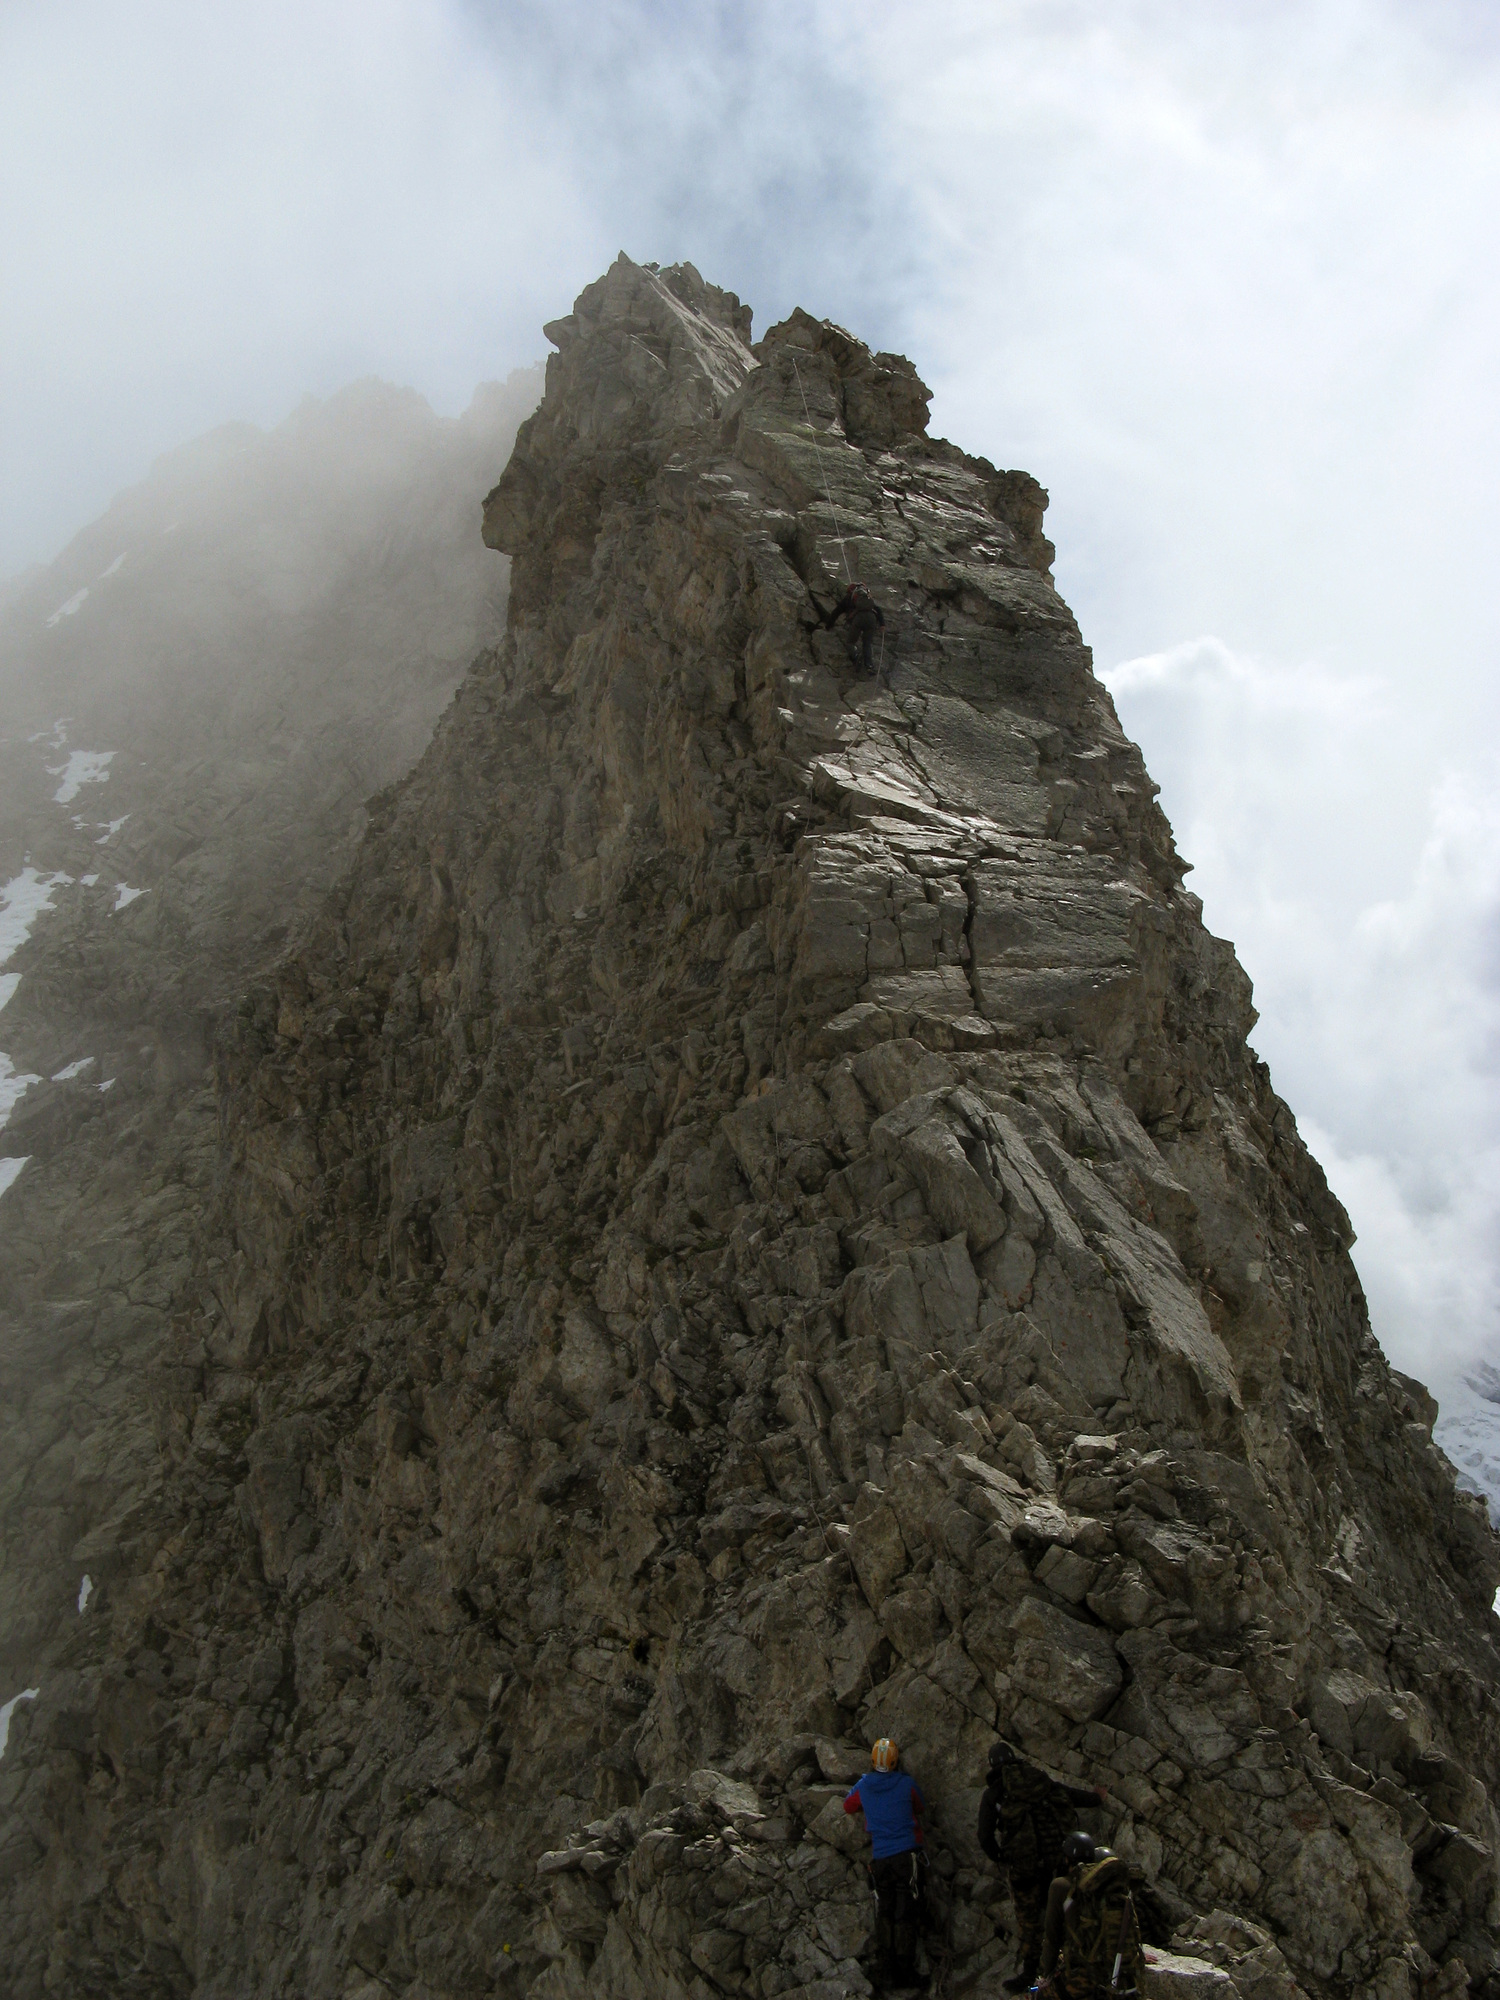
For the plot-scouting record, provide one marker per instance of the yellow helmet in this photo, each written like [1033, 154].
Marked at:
[885, 1756]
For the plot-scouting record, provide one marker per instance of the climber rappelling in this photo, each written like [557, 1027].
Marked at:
[1091, 1949]
[891, 1801]
[1024, 1820]
[865, 618]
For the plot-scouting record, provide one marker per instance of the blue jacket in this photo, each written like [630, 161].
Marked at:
[891, 1802]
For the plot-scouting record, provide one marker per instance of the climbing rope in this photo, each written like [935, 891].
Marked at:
[827, 489]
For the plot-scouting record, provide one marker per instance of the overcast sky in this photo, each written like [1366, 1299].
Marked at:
[1223, 276]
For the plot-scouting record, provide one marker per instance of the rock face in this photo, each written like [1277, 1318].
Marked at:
[198, 697]
[749, 1224]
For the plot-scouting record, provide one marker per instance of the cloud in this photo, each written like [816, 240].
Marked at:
[210, 212]
[1378, 983]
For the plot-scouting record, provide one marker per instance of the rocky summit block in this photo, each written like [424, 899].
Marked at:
[750, 1225]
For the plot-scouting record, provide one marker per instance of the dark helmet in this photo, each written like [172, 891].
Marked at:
[1001, 1754]
[1076, 1850]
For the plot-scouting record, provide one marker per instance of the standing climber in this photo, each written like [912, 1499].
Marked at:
[1024, 1818]
[891, 1802]
[1092, 1944]
[864, 616]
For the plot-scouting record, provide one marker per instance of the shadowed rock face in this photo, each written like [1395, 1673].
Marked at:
[751, 1224]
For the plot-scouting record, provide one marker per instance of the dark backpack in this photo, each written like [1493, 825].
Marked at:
[860, 598]
[1099, 1926]
[1028, 1824]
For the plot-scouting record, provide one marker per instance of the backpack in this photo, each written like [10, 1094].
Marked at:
[859, 598]
[1029, 1826]
[1099, 1927]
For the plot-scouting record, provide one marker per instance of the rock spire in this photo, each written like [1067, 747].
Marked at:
[752, 1224]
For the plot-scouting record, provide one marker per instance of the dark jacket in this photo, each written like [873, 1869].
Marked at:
[1024, 1818]
[858, 605]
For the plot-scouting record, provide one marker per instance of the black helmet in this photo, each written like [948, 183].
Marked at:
[1001, 1754]
[1077, 1849]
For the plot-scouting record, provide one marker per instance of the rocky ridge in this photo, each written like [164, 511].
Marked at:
[751, 1222]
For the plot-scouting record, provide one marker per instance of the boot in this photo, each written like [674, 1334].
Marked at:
[1019, 1981]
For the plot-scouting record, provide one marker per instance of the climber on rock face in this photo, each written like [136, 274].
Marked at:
[1024, 1819]
[864, 616]
[1091, 1949]
[891, 1802]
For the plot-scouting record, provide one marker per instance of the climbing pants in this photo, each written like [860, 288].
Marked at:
[862, 631]
[1030, 1898]
[898, 1909]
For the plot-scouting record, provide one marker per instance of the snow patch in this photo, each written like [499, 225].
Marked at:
[87, 881]
[13, 1087]
[114, 568]
[108, 1083]
[66, 610]
[10, 1170]
[73, 1069]
[84, 767]
[111, 829]
[85, 1591]
[8, 1709]
[124, 894]
[22, 900]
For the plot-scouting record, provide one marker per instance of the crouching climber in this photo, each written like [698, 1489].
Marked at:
[864, 616]
[1091, 1949]
[1024, 1818]
[892, 1802]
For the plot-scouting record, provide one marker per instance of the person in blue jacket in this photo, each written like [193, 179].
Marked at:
[891, 1801]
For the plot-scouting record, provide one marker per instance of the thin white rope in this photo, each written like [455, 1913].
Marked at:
[827, 489]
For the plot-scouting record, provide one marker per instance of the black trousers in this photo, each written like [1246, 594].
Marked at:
[1029, 1895]
[898, 1911]
[862, 631]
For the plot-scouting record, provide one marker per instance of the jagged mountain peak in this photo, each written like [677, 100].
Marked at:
[748, 1224]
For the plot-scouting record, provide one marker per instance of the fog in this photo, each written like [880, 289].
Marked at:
[1222, 277]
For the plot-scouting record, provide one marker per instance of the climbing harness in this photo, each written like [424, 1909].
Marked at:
[827, 489]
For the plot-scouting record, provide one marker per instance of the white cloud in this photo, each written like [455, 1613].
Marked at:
[1378, 979]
